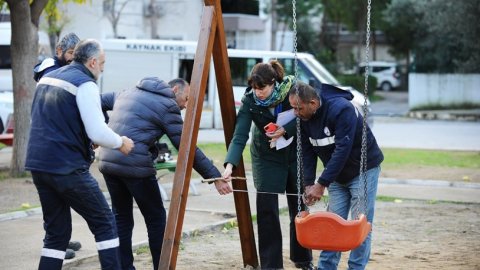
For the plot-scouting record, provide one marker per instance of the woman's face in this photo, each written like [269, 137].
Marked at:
[263, 93]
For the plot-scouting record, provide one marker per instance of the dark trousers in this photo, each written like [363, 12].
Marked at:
[146, 193]
[80, 191]
[270, 233]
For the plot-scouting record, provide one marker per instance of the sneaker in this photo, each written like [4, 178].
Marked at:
[306, 266]
[69, 254]
[75, 245]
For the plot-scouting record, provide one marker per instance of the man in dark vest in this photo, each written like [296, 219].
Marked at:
[67, 120]
[63, 56]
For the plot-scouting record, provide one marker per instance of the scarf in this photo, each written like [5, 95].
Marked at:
[280, 91]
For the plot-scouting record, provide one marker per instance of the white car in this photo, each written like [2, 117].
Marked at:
[387, 74]
[6, 109]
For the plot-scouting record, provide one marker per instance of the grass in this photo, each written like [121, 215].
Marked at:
[394, 158]
[398, 158]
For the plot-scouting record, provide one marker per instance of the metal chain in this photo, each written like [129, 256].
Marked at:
[363, 157]
[299, 141]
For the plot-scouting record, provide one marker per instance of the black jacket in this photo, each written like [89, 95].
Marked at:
[144, 114]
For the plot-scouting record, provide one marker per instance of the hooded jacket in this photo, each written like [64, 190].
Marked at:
[144, 114]
[334, 134]
[46, 66]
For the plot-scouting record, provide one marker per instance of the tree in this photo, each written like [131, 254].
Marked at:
[56, 20]
[402, 29]
[25, 16]
[450, 43]
[282, 14]
[113, 13]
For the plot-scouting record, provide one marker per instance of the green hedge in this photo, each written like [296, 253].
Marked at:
[358, 82]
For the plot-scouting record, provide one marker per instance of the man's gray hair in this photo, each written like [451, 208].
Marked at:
[69, 41]
[86, 49]
[180, 82]
[305, 92]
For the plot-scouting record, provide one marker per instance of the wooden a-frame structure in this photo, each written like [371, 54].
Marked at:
[211, 42]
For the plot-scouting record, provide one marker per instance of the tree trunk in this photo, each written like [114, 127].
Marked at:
[273, 41]
[52, 34]
[24, 51]
[153, 20]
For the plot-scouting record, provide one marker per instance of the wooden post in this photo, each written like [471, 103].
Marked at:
[211, 35]
[227, 106]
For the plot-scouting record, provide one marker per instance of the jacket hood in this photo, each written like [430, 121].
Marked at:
[329, 91]
[155, 85]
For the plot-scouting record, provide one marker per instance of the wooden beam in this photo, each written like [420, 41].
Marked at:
[227, 106]
[211, 33]
[181, 183]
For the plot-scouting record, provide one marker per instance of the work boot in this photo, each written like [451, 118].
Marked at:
[74, 245]
[306, 266]
[69, 254]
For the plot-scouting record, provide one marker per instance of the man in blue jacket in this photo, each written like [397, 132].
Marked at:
[67, 119]
[63, 56]
[145, 113]
[331, 130]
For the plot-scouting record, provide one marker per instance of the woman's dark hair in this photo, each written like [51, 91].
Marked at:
[264, 74]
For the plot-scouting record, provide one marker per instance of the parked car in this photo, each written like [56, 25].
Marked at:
[6, 110]
[387, 74]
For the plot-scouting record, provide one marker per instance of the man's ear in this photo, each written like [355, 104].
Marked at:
[175, 89]
[315, 102]
[58, 52]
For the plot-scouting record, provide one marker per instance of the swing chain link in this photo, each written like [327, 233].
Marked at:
[299, 141]
[363, 157]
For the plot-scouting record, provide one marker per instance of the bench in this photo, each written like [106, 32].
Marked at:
[170, 166]
[6, 139]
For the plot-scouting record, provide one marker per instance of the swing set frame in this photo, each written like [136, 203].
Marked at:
[211, 42]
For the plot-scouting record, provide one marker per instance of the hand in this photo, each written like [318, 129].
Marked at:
[276, 134]
[127, 145]
[227, 174]
[313, 193]
[223, 187]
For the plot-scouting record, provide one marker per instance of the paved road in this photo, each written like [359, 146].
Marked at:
[400, 132]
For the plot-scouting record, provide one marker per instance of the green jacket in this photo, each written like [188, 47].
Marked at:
[273, 170]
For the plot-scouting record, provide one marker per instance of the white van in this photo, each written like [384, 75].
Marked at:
[127, 61]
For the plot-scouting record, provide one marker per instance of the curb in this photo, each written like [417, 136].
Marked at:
[460, 115]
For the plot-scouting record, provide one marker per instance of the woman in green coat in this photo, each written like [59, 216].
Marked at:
[274, 171]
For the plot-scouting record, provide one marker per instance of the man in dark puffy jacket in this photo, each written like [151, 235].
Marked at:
[332, 132]
[145, 113]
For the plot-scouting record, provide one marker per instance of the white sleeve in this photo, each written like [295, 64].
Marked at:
[89, 105]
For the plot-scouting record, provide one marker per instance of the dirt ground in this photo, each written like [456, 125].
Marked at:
[406, 234]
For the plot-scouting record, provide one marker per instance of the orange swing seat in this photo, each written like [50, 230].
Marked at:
[329, 231]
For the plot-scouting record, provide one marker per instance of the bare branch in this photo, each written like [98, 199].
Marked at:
[36, 8]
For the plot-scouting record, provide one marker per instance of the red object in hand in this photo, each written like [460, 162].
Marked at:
[270, 127]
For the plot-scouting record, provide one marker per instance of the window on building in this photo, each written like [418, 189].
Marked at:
[243, 7]
[240, 69]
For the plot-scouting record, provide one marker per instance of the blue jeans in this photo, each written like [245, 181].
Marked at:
[146, 193]
[344, 198]
[80, 191]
